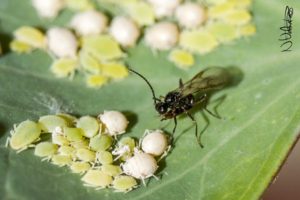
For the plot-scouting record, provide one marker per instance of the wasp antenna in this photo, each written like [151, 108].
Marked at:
[150, 86]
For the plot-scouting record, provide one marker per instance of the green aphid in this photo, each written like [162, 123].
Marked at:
[238, 17]
[20, 47]
[59, 139]
[89, 124]
[89, 63]
[141, 12]
[198, 41]
[115, 70]
[22, 137]
[97, 179]
[79, 5]
[71, 120]
[85, 155]
[129, 142]
[246, 30]
[102, 47]
[221, 10]
[79, 167]
[182, 58]
[104, 157]
[223, 32]
[96, 80]
[73, 134]
[81, 144]
[61, 160]
[67, 151]
[101, 142]
[45, 149]
[112, 170]
[241, 3]
[64, 67]
[124, 183]
[125, 148]
[50, 122]
[30, 36]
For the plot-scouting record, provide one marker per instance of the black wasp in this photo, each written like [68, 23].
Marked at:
[189, 94]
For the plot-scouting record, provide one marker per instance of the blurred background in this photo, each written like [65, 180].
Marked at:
[287, 183]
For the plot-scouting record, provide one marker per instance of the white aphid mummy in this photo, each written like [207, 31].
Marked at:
[162, 36]
[89, 23]
[164, 8]
[48, 8]
[154, 142]
[124, 30]
[190, 15]
[140, 166]
[62, 42]
[114, 121]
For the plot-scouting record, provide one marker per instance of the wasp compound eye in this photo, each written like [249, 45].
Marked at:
[161, 108]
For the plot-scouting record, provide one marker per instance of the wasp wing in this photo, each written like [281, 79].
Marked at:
[205, 81]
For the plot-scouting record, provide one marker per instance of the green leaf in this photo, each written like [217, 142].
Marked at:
[242, 152]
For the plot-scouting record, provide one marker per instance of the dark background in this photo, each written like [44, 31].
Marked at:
[286, 186]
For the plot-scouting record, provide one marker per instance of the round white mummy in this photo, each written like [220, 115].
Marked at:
[155, 143]
[114, 121]
[162, 36]
[89, 22]
[48, 8]
[124, 30]
[165, 3]
[190, 15]
[164, 8]
[62, 42]
[140, 166]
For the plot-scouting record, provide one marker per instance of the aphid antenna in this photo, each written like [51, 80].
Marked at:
[150, 86]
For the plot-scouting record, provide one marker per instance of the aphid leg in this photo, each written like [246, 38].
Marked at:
[165, 153]
[22, 149]
[196, 129]
[143, 181]
[155, 177]
[7, 142]
[140, 140]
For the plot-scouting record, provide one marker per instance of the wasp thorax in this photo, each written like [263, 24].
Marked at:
[172, 97]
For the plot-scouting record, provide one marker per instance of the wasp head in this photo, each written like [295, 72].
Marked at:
[161, 107]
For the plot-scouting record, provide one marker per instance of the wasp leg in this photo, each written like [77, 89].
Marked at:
[204, 99]
[211, 113]
[196, 129]
[180, 83]
[173, 131]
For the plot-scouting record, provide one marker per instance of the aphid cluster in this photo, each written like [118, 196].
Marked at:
[98, 56]
[95, 45]
[188, 27]
[91, 147]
